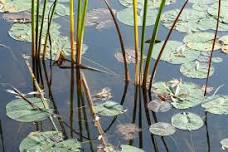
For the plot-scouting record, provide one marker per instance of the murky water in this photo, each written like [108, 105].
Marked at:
[14, 71]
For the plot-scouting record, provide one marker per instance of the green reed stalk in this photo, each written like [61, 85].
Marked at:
[136, 41]
[145, 9]
[152, 42]
[72, 41]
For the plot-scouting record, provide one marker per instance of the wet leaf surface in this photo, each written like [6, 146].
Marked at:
[162, 129]
[159, 106]
[183, 95]
[196, 69]
[109, 108]
[187, 121]
[22, 111]
[216, 105]
[49, 141]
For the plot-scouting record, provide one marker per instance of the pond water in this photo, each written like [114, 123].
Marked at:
[102, 46]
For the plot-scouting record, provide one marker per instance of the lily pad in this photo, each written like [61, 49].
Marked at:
[109, 108]
[202, 1]
[187, 121]
[224, 42]
[183, 95]
[100, 17]
[175, 52]
[187, 22]
[196, 69]
[22, 111]
[216, 105]
[159, 106]
[213, 10]
[201, 41]
[128, 148]
[224, 143]
[126, 16]
[49, 141]
[162, 129]
[151, 3]
[128, 131]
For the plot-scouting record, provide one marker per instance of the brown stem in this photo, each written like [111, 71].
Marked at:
[127, 75]
[213, 48]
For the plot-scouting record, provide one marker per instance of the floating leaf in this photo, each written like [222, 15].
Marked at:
[126, 16]
[187, 121]
[109, 108]
[200, 7]
[49, 141]
[100, 17]
[128, 148]
[202, 1]
[130, 56]
[22, 111]
[187, 22]
[162, 129]
[159, 106]
[183, 95]
[196, 69]
[209, 89]
[151, 3]
[224, 143]
[201, 41]
[216, 105]
[213, 10]
[128, 131]
[224, 42]
[175, 52]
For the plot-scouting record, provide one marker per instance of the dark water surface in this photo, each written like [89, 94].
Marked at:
[102, 47]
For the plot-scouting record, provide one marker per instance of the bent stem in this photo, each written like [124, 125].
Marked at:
[40, 91]
[213, 48]
[93, 112]
[127, 74]
[163, 46]
[152, 42]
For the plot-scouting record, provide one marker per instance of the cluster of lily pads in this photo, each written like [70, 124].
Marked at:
[21, 31]
[183, 95]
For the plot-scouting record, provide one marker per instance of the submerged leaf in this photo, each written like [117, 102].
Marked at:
[159, 106]
[109, 108]
[128, 131]
[49, 141]
[22, 111]
[187, 121]
[104, 94]
[100, 17]
[128, 148]
[20, 17]
[216, 105]
[162, 129]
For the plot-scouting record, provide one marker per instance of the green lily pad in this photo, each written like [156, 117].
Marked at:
[175, 52]
[183, 95]
[128, 148]
[200, 7]
[151, 3]
[209, 23]
[201, 41]
[162, 129]
[22, 111]
[187, 22]
[202, 1]
[109, 108]
[213, 10]
[224, 143]
[187, 121]
[196, 69]
[126, 16]
[216, 105]
[49, 141]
